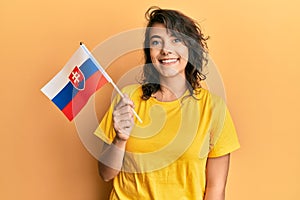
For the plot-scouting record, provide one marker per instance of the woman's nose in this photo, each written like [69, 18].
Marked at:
[167, 48]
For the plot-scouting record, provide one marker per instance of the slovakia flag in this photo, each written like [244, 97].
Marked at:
[72, 87]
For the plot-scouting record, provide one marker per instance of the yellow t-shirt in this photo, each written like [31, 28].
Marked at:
[166, 154]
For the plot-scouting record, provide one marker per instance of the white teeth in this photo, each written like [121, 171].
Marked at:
[169, 60]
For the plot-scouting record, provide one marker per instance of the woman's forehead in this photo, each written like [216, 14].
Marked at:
[160, 30]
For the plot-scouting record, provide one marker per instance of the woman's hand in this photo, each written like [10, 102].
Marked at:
[123, 118]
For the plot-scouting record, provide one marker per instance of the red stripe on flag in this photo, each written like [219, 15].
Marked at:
[96, 81]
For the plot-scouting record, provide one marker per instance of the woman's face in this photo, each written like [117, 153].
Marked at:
[168, 53]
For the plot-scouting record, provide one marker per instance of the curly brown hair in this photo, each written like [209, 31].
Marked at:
[190, 33]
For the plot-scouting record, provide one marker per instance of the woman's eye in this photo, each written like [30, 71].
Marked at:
[176, 40]
[155, 43]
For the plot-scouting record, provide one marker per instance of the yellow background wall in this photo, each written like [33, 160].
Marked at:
[254, 43]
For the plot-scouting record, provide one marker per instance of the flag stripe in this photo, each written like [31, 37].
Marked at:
[96, 81]
[52, 88]
[66, 95]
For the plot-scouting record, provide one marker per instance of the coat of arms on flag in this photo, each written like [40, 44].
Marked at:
[77, 78]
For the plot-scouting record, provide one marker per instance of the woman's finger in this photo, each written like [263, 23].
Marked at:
[123, 112]
[124, 101]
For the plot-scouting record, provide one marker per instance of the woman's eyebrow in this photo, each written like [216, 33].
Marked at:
[155, 36]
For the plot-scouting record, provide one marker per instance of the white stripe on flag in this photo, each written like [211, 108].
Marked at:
[53, 87]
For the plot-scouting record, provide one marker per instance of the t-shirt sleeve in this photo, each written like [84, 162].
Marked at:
[224, 138]
[105, 131]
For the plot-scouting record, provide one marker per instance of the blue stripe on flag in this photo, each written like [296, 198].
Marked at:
[88, 68]
[66, 95]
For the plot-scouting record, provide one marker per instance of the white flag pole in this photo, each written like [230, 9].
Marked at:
[107, 76]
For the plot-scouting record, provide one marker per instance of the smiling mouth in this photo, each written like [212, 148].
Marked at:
[168, 61]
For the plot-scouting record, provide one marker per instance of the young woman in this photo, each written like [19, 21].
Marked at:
[182, 148]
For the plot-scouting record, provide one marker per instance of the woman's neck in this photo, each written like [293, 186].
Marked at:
[171, 88]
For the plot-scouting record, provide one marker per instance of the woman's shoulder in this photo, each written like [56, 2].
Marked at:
[206, 95]
[132, 90]
[201, 93]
